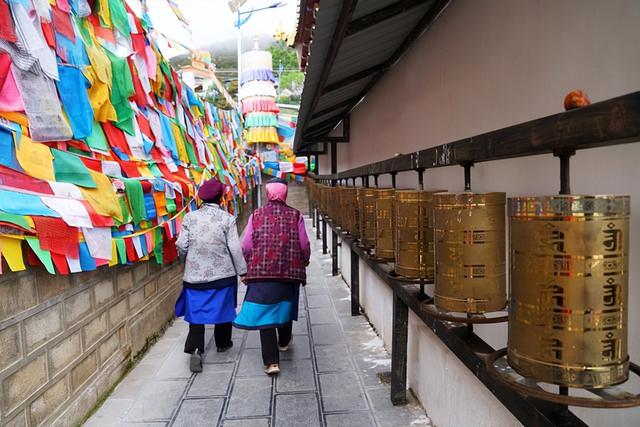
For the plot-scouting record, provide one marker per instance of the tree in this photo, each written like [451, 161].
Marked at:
[283, 54]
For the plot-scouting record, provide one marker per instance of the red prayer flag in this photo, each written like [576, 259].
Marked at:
[7, 31]
[62, 23]
[60, 261]
[56, 236]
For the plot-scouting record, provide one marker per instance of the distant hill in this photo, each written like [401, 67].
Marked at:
[224, 54]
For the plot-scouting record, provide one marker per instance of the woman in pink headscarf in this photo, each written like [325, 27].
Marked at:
[277, 250]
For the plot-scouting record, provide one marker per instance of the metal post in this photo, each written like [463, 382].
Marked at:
[393, 179]
[375, 180]
[318, 220]
[334, 253]
[565, 171]
[324, 235]
[355, 283]
[399, 351]
[467, 175]
[420, 179]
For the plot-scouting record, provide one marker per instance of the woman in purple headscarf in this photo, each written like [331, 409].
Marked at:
[277, 250]
[209, 243]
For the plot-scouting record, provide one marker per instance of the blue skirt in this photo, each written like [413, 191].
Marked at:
[208, 306]
[268, 305]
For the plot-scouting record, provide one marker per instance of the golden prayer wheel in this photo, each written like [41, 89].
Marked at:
[347, 201]
[414, 234]
[367, 216]
[470, 252]
[385, 227]
[569, 289]
[354, 213]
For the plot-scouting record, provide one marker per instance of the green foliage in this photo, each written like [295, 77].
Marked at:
[283, 54]
[291, 80]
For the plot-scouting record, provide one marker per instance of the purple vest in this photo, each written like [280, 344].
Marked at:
[276, 253]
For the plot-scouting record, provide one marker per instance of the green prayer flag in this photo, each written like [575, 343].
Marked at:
[119, 16]
[135, 195]
[122, 250]
[171, 205]
[122, 89]
[18, 220]
[43, 255]
[157, 250]
[69, 168]
[126, 212]
[97, 140]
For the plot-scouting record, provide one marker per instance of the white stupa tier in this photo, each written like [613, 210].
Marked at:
[258, 96]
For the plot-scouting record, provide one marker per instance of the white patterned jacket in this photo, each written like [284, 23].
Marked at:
[209, 240]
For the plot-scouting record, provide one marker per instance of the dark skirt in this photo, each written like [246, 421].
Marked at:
[268, 305]
[208, 306]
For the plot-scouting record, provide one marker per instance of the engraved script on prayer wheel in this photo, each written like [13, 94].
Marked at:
[569, 289]
[470, 252]
[367, 216]
[414, 234]
[385, 228]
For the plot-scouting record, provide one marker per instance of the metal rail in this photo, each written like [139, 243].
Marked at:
[611, 122]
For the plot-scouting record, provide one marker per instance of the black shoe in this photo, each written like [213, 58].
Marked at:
[225, 348]
[196, 362]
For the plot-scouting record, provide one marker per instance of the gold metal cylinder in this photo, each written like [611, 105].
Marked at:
[385, 225]
[355, 216]
[367, 216]
[414, 248]
[347, 206]
[569, 289]
[470, 251]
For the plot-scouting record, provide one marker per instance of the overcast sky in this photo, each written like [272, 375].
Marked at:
[211, 20]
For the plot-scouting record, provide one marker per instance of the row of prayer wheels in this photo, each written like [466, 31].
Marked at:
[568, 260]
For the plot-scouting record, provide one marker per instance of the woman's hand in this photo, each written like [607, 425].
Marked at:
[243, 278]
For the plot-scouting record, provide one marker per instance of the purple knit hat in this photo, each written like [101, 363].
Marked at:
[211, 191]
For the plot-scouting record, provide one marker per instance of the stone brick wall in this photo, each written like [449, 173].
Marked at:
[65, 340]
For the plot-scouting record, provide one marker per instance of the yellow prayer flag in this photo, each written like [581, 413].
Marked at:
[36, 159]
[103, 198]
[12, 252]
[114, 254]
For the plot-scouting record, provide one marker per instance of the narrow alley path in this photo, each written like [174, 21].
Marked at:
[329, 378]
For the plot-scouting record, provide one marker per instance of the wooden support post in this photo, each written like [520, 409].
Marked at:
[355, 283]
[399, 351]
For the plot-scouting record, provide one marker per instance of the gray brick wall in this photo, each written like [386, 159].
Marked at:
[65, 340]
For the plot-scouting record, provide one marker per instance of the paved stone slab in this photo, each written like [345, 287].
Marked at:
[296, 410]
[295, 375]
[253, 339]
[157, 401]
[359, 419]
[326, 334]
[250, 397]
[396, 416]
[176, 365]
[300, 327]
[333, 358]
[112, 412]
[299, 349]
[211, 383]
[251, 363]
[341, 392]
[322, 315]
[316, 301]
[199, 413]
[248, 422]
[230, 355]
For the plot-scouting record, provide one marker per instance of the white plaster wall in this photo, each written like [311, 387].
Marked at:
[486, 65]
[442, 383]
[377, 300]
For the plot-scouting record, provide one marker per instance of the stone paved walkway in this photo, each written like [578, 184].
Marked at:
[329, 378]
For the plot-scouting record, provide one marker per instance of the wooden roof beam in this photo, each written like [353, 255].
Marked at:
[381, 15]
